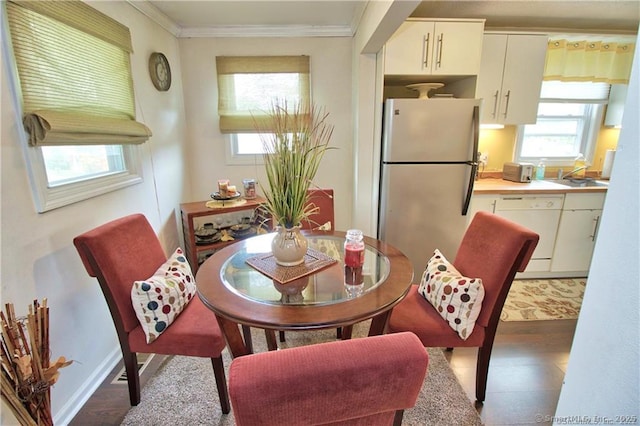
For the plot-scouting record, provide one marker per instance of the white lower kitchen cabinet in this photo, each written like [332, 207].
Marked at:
[567, 225]
[481, 202]
[577, 233]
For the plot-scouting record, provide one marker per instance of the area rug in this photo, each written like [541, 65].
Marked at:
[554, 299]
[183, 392]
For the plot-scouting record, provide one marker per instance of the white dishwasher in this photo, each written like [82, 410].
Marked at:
[541, 214]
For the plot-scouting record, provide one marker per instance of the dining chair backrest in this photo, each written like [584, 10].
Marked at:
[494, 249]
[368, 381]
[324, 217]
[119, 253]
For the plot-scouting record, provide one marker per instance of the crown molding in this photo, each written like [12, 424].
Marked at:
[357, 16]
[165, 22]
[156, 16]
[268, 31]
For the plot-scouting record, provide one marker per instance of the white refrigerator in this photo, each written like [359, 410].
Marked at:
[428, 168]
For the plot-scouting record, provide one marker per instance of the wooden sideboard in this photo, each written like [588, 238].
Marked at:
[197, 252]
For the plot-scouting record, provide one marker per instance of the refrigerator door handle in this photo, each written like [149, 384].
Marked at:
[474, 162]
[467, 198]
[476, 133]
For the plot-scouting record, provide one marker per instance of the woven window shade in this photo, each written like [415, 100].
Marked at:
[589, 60]
[75, 74]
[245, 109]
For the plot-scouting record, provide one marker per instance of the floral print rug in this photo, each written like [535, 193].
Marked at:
[531, 300]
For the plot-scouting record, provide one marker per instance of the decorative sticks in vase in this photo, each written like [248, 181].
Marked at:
[27, 373]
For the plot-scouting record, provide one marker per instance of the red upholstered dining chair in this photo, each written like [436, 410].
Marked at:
[324, 217]
[492, 249]
[365, 381]
[126, 250]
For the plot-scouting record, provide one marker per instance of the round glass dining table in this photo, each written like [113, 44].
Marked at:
[239, 294]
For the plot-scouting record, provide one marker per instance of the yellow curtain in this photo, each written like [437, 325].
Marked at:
[589, 60]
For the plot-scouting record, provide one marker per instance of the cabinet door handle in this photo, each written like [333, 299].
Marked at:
[495, 104]
[425, 62]
[506, 105]
[440, 44]
[596, 225]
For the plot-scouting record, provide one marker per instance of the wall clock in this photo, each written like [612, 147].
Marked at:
[160, 71]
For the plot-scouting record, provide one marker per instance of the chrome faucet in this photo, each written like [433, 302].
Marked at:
[577, 169]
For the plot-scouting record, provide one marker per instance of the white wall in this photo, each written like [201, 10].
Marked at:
[38, 259]
[603, 374]
[330, 62]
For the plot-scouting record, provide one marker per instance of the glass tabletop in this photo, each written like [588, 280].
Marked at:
[323, 287]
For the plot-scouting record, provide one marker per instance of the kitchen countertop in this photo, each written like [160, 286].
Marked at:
[501, 186]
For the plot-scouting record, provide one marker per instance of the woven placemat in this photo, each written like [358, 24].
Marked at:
[313, 261]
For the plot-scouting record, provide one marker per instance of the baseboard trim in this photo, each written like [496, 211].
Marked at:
[84, 392]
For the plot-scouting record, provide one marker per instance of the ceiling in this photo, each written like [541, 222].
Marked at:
[341, 17]
[193, 14]
[610, 16]
[258, 17]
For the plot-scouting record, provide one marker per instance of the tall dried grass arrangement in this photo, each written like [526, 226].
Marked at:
[295, 140]
[27, 374]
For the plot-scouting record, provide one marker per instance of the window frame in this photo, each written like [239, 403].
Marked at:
[234, 158]
[48, 198]
[588, 140]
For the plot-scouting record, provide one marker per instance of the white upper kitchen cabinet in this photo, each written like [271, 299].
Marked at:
[510, 77]
[615, 107]
[435, 47]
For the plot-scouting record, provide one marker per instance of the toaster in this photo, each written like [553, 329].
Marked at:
[517, 172]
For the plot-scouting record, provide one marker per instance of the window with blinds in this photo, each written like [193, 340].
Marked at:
[569, 115]
[75, 74]
[249, 85]
[76, 96]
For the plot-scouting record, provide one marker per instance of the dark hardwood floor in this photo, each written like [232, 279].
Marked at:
[527, 368]
[528, 364]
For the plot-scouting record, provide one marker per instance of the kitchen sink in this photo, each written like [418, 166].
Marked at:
[579, 183]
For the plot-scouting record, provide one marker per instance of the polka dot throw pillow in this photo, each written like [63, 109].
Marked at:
[457, 299]
[159, 299]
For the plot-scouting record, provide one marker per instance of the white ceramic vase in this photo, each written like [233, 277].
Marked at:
[289, 246]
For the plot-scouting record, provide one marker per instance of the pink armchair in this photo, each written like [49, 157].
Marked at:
[366, 381]
[492, 249]
[126, 250]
